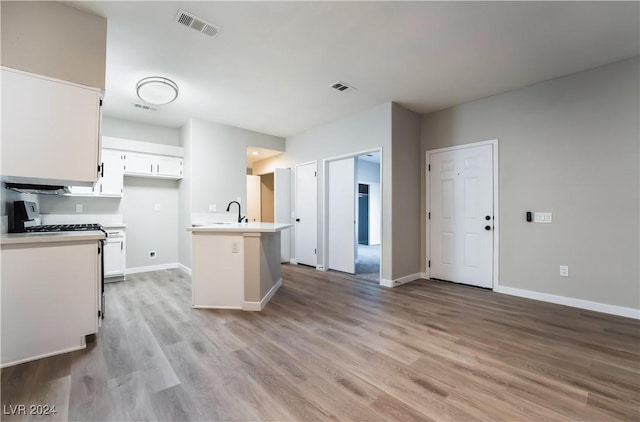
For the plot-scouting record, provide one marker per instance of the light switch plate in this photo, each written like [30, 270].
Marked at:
[542, 217]
[156, 207]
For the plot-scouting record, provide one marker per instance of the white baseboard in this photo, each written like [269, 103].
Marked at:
[320, 267]
[399, 281]
[184, 268]
[293, 261]
[46, 355]
[569, 301]
[151, 268]
[424, 276]
[216, 307]
[258, 306]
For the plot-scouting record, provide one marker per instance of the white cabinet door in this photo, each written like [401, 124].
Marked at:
[50, 130]
[169, 166]
[138, 164]
[114, 257]
[111, 182]
[150, 165]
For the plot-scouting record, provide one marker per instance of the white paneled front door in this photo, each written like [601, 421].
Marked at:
[306, 214]
[461, 226]
[342, 215]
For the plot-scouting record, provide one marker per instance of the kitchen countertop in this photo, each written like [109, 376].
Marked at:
[240, 227]
[26, 238]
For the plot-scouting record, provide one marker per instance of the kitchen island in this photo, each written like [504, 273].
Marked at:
[50, 293]
[235, 265]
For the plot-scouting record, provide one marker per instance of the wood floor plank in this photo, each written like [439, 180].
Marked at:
[330, 346]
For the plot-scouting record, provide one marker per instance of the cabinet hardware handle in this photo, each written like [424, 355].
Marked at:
[151, 167]
[102, 170]
[158, 168]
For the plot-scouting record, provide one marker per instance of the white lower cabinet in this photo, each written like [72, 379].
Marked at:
[50, 298]
[151, 165]
[114, 256]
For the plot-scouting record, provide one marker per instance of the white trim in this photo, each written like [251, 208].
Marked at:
[46, 355]
[50, 79]
[184, 268]
[386, 283]
[496, 205]
[399, 281]
[216, 307]
[258, 306]
[569, 301]
[325, 206]
[151, 268]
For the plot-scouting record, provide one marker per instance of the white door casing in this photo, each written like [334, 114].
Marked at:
[342, 215]
[282, 212]
[306, 213]
[461, 224]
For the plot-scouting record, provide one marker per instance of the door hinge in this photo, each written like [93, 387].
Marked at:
[429, 264]
[315, 251]
[100, 103]
[315, 174]
[121, 245]
[429, 216]
[429, 167]
[99, 314]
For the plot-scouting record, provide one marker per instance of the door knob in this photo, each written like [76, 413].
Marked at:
[297, 220]
[487, 228]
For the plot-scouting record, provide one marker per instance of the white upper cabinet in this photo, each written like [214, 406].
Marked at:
[112, 172]
[50, 130]
[151, 165]
[111, 181]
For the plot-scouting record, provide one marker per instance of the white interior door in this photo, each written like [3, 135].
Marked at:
[282, 212]
[342, 215]
[461, 223]
[306, 214]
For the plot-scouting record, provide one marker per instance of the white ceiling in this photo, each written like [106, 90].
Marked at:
[270, 67]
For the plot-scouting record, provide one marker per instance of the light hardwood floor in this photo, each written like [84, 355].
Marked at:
[332, 347]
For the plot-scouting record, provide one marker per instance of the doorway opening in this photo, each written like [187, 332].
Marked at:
[353, 214]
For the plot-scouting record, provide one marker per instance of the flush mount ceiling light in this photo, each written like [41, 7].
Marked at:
[157, 90]
[255, 153]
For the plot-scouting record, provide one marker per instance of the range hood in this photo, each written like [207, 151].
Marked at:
[38, 189]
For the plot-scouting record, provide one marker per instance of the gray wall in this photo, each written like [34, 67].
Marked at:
[359, 132]
[217, 171]
[147, 229]
[569, 146]
[126, 129]
[406, 191]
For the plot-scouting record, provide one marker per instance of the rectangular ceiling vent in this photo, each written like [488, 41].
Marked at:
[144, 107]
[342, 87]
[194, 22]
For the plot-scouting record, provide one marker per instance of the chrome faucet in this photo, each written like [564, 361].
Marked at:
[240, 216]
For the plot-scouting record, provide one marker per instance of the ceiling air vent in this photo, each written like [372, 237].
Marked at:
[342, 87]
[144, 107]
[194, 22]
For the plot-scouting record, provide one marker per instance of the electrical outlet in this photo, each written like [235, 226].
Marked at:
[156, 207]
[213, 208]
[79, 207]
[235, 247]
[564, 271]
